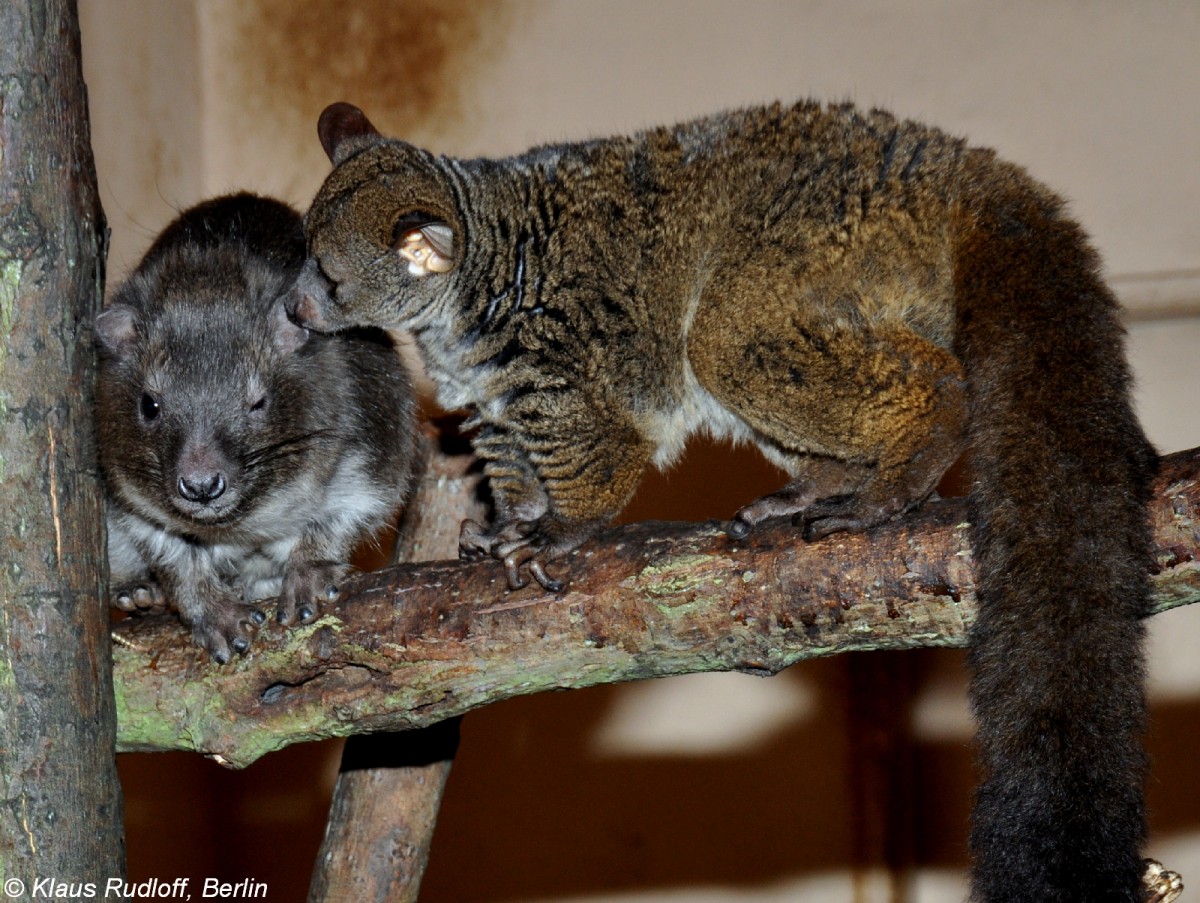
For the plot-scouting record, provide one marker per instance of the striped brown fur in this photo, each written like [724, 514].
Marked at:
[862, 297]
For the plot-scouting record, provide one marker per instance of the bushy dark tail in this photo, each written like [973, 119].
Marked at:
[1061, 472]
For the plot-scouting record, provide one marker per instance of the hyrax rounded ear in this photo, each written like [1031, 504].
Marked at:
[425, 242]
[288, 335]
[116, 330]
[341, 128]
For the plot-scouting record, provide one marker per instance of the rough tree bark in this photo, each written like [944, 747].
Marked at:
[60, 803]
[412, 645]
[389, 788]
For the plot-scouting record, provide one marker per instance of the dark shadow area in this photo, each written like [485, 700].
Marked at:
[188, 817]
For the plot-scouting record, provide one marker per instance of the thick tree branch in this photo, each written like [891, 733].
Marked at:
[412, 645]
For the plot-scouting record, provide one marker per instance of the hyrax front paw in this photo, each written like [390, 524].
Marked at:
[306, 586]
[144, 598]
[225, 627]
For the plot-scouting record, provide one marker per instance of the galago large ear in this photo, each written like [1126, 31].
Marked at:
[341, 128]
[425, 242]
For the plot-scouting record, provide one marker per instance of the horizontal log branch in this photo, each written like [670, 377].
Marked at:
[411, 645]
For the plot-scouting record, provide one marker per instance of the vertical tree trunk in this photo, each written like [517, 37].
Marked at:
[60, 803]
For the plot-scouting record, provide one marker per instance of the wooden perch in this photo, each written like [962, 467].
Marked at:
[414, 644]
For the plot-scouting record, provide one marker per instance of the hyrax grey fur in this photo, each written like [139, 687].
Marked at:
[244, 456]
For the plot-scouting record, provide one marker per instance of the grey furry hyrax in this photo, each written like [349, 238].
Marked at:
[244, 456]
[863, 298]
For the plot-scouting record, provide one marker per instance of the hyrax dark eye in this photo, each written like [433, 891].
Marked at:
[149, 407]
[259, 404]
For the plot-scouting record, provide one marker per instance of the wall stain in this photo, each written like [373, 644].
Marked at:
[408, 64]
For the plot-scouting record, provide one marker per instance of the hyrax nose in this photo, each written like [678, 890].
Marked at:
[201, 488]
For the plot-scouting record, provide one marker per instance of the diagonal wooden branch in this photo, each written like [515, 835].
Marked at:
[389, 788]
[412, 645]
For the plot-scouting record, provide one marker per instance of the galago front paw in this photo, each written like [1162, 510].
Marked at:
[476, 541]
[525, 545]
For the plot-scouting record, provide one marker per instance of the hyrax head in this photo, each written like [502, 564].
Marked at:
[203, 400]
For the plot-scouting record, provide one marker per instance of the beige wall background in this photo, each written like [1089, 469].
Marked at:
[714, 787]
